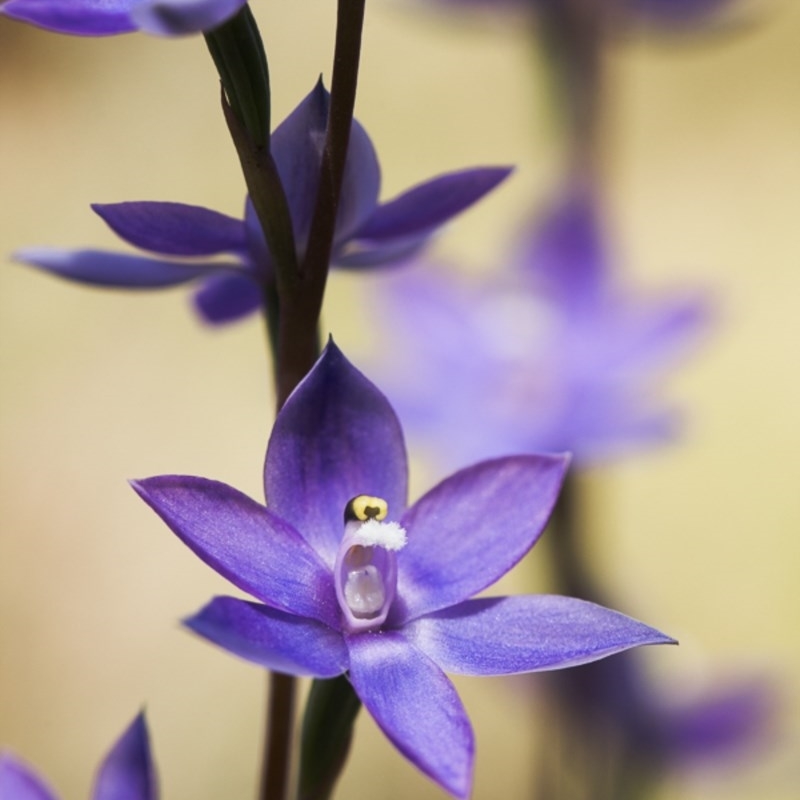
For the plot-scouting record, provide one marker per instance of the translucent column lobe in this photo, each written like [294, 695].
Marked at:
[366, 572]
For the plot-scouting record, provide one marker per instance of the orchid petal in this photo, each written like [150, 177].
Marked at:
[471, 529]
[128, 771]
[652, 335]
[19, 782]
[429, 205]
[416, 706]
[180, 17]
[565, 253]
[77, 17]
[225, 298]
[614, 423]
[245, 542]
[275, 640]
[360, 185]
[335, 438]
[296, 147]
[727, 723]
[678, 14]
[115, 270]
[256, 243]
[365, 253]
[174, 229]
[508, 635]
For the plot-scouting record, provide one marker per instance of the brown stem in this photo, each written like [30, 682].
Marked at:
[300, 294]
[301, 303]
[278, 741]
[575, 37]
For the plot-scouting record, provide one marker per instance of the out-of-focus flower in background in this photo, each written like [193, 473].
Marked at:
[126, 772]
[367, 233]
[630, 732]
[552, 354]
[665, 14]
[111, 17]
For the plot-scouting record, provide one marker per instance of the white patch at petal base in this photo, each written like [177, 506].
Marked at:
[388, 535]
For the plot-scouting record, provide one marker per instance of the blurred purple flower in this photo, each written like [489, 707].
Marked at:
[555, 355]
[383, 594]
[367, 233]
[126, 773]
[665, 14]
[642, 731]
[110, 17]
[723, 724]
[675, 13]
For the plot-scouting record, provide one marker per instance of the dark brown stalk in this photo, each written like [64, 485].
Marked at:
[298, 344]
[296, 347]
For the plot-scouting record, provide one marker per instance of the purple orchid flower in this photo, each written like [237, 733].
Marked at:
[126, 773]
[110, 17]
[554, 355]
[351, 581]
[367, 233]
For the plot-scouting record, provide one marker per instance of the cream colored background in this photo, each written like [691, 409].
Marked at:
[701, 539]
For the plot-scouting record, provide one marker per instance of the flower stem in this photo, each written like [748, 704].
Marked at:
[346, 58]
[331, 710]
[278, 738]
[301, 301]
[332, 704]
[293, 300]
[241, 62]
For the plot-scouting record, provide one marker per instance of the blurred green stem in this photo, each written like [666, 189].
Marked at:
[331, 710]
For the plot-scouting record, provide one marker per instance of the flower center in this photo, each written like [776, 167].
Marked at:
[364, 591]
[366, 565]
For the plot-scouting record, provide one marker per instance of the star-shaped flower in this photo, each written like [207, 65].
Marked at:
[352, 581]
[126, 773]
[553, 354]
[367, 233]
[110, 17]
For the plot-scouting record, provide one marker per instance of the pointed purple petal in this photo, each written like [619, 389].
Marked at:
[508, 635]
[260, 259]
[174, 229]
[361, 183]
[335, 438]
[128, 771]
[565, 252]
[77, 17]
[416, 706]
[19, 781]
[431, 204]
[226, 298]
[364, 253]
[115, 270]
[649, 335]
[297, 145]
[612, 423]
[277, 641]
[471, 529]
[245, 542]
[724, 724]
[180, 17]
